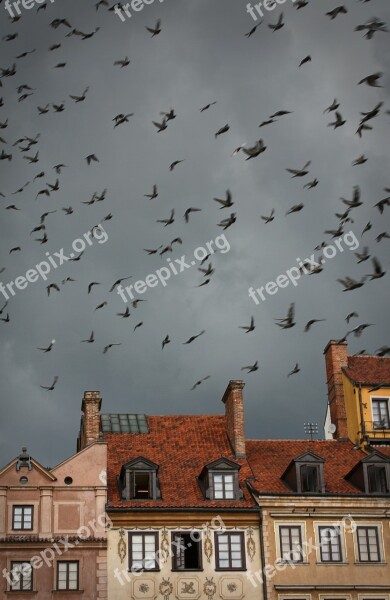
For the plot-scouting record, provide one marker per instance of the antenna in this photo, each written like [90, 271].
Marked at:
[310, 429]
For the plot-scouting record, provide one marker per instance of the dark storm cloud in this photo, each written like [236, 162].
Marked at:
[200, 56]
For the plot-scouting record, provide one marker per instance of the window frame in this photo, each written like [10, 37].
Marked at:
[224, 474]
[378, 539]
[320, 528]
[143, 534]
[67, 588]
[23, 507]
[229, 534]
[174, 549]
[381, 400]
[21, 589]
[291, 526]
[126, 480]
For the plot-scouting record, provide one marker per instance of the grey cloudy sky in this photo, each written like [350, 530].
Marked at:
[200, 56]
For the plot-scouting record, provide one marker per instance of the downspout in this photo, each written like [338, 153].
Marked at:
[262, 553]
[363, 424]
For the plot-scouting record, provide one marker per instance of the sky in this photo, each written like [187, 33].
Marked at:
[200, 56]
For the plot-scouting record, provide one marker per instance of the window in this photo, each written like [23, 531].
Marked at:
[143, 551]
[310, 478]
[21, 577]
[68, 575]
[290, 537]
[223, 486]
[305, 474]
[377, 479]
[187, 552]
[330, 544]
[380, 413]
[22, 517]
[219, 480]
[229, 551]
[138, 480]
[368, 544]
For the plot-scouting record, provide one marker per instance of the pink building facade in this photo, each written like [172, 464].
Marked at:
[53, 525]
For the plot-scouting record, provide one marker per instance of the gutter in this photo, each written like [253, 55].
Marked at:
[180, 510]
[262, 554]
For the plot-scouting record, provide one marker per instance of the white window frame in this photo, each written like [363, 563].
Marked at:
[294, 596]
[378, 527]
[379, 398]
[373, 596]
[334, 597]
[302, 526]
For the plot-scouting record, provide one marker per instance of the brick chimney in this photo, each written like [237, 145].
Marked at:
[336, 357]
[90, 421]
[234, 412]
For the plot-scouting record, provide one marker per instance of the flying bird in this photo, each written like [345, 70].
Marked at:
[223, 129]
[295, 370]
[200, 382]
[106, 348]
[194, 337]
[165, 341]
[287, 322]
[248, 328]
[51, 387]
[278, 25]
[225, 203]
[156, 29]
[310, 323]
[118, 282]
[251, 368]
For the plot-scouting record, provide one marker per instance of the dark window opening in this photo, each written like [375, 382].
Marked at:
[310, 480]
[187, 552]
[377, 479]
[141, 485]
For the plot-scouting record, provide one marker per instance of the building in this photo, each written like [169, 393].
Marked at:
[358, 396]
[325, 525]
[184, 524]
[53, 527]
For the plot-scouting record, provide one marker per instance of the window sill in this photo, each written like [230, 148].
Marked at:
[371, 563]
[336, 563]
[292, 563]
[68, 592]
[15, 592]
[187, 570]
[230, 570]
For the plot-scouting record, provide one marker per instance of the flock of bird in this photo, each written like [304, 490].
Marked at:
[28, 147]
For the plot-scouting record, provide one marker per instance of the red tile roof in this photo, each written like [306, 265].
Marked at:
[181, 446]
[368, 370]
[270, 458]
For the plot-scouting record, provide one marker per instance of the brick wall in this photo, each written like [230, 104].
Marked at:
[234, 411]
[90, 430]
[336, 357]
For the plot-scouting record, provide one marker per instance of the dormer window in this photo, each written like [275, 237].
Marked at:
[219, 480]
[305, 474]
[138, 480]
[372, 474]
[378, 480]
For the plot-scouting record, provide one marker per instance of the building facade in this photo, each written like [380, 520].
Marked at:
[326, 531]
[53, 527]
[184, 524]
[358, 396]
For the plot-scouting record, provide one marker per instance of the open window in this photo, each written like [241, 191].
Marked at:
[305, 474]
[372, 474]
[139, 481]
[186, 551]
